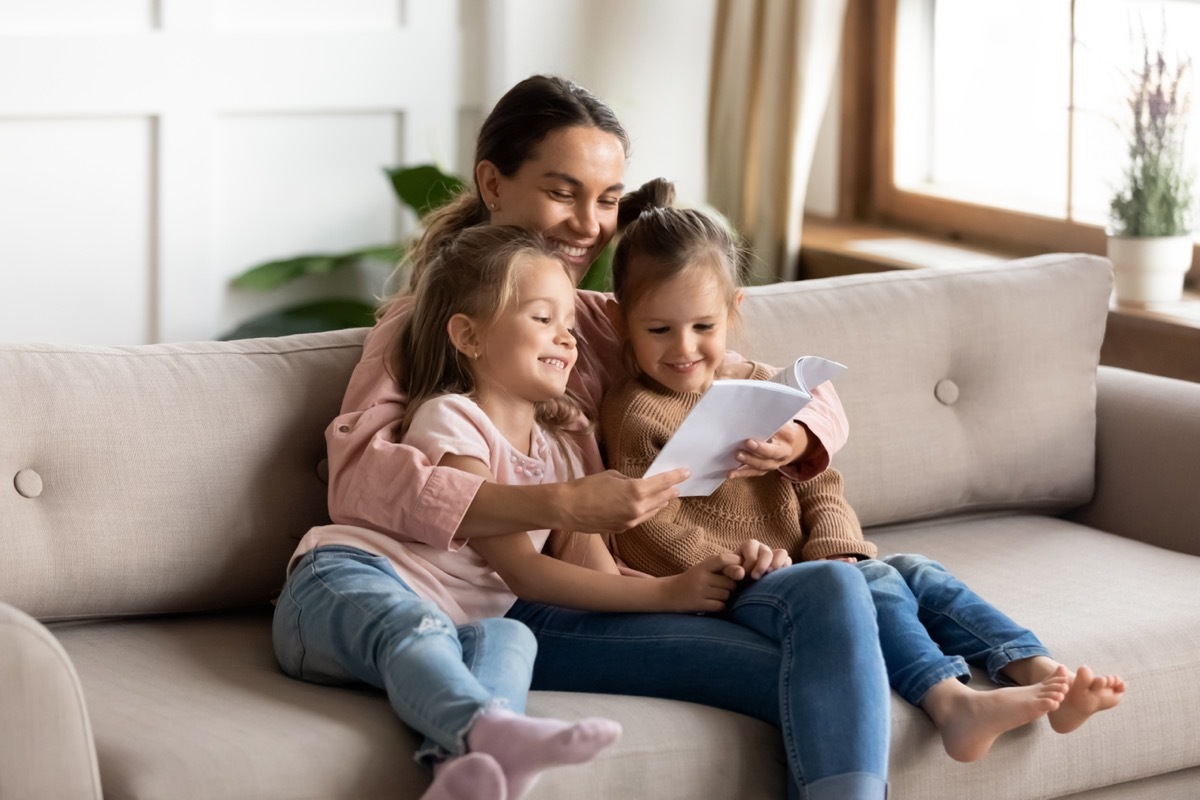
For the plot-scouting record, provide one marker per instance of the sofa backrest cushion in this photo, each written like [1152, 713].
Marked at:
[162, 478]
[968, 389]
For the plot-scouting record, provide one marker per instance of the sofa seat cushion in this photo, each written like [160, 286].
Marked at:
[196, 707]
[1114, 604]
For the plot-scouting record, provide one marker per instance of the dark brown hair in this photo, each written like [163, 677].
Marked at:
[668, 241]
[518, 124]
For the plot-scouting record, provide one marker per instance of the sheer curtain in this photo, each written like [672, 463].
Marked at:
[773, 67]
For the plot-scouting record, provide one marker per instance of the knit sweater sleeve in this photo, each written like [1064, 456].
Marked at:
[831, 527]
[635, 425]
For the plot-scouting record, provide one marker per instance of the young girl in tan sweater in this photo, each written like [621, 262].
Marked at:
[675, 275]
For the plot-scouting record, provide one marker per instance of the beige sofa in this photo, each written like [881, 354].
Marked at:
[152, 496]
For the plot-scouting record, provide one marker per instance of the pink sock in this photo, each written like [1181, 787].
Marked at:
[475, 776]
[525, 746]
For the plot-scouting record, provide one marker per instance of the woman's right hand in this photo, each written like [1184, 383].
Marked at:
[705, 587]
[609, 502]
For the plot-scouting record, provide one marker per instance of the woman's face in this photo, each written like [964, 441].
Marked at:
[568, 192]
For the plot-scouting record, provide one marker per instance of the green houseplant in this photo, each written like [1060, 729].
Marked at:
[1151, 211]
[421, 188]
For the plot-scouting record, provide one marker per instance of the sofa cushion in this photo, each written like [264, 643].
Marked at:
[115, 502]
[196, 707]
[967, 389]
[1116, 605]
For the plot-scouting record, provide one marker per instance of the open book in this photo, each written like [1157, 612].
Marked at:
[732, 411]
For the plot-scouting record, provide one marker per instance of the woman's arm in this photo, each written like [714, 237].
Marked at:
[378, 483]
[534, 576]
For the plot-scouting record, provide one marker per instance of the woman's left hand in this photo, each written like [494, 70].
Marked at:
[788, 444]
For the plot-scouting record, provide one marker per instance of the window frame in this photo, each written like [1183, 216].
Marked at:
[867, 190]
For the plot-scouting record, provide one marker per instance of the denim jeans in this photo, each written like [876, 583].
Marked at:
[931, 626]
[798, 648]
[345, 616]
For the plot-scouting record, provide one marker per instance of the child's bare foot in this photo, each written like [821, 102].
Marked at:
[526, 746]
[1088, 694]
[970, 721]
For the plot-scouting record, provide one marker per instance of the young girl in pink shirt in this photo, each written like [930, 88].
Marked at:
[488, 348]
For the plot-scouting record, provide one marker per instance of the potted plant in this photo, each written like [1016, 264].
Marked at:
[1149, 236]
[421, 188]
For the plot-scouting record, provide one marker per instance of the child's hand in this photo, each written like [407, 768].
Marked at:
[704, 587]
[788, 444]
[846, 559]
[758, 559]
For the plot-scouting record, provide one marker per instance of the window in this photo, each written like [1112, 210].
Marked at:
[999, 121]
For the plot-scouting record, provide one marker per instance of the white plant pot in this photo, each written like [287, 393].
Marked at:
[1149, 269]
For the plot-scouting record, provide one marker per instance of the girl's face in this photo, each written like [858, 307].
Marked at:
[529, 351]
[678, 330]
[568, 192]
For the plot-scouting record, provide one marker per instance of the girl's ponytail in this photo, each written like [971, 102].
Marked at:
[464, 211]
[658, 193]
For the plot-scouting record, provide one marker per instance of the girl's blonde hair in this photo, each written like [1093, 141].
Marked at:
[517, 125]
[666, 241]
[474, 273]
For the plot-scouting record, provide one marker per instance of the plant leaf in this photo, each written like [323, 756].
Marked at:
[423, 188]
[274, 274]
[599, 275]
[321, 315]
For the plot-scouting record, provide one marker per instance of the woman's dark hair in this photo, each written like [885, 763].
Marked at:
[517, 125]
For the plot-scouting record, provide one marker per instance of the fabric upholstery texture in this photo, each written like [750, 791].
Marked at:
[172, 477]
[152, 496]
[966, 389]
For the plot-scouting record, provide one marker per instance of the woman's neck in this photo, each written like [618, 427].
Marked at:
[512, 416]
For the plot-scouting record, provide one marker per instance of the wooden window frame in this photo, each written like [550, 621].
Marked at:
[866, 188]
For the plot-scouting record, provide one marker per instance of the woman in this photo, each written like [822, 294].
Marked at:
[550, 158]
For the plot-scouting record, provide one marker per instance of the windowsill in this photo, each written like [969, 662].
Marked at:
[1163, 339]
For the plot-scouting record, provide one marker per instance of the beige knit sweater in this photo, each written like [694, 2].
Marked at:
[811, 520]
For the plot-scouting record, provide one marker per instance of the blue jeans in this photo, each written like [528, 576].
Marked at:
[931, 625]
[346, 616]
[798, 648]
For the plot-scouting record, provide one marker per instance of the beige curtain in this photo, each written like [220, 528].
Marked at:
[773, 67]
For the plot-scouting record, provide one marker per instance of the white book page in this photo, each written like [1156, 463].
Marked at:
[808, 373]
[728, 414]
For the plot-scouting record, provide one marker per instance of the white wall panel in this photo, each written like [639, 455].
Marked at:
[230, 119]
[313, 15]
[75, 230]
[57, 16]
[289, 184]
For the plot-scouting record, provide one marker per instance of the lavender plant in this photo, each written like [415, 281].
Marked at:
[1155, 197]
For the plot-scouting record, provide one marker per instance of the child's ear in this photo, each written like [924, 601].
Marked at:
[738, 296]
[463, 335]
[612, 310]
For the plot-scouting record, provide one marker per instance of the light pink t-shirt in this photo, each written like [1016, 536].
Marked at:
[458, 579]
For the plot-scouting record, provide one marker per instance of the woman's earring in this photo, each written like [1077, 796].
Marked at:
[476, 355]
[492, 205]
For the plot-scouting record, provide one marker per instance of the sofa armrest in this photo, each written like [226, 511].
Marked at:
[1147, 460]
[46, 745]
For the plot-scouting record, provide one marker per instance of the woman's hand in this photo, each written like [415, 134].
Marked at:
[758, 559]
[790, 443]
[609, 502]
[705, 587]
[845, 559]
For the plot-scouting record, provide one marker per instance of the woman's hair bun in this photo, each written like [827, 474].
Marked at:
[658, 193]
